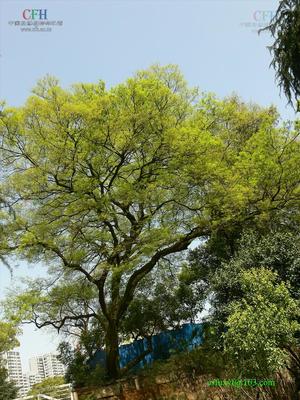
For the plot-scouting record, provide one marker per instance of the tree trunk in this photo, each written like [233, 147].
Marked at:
[112, 351]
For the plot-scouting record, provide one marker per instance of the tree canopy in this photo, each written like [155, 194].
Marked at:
[285, 30]
[8, 390]
[107, 185]
[8, 333]
[8, 340]
[262, 324]
[251, 279]
[48, 386]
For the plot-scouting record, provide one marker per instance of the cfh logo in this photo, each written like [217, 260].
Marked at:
[263, 15]
[35, 14]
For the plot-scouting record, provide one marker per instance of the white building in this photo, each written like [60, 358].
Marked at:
[29, 380]
[46, 366]
[53, 367]
[41, 367]
[36, 366]
[12, 363]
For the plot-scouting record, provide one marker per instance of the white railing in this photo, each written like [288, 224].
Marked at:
[65, 390]
[37, 397]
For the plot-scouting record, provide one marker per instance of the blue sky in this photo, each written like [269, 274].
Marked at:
[210, 40]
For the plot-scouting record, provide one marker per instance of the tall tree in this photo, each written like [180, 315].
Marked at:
[254, 294]
[285, 29]
[8, 390]
[8, 332]
[262, 324]
[262, 327]
[106, 184]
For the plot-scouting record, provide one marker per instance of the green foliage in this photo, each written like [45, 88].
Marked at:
[78, 372]
[276, 250]
[74, 298]
[285, 29]
[193, 363]
[108, 183]
[220, 264]
[8, 334]
[8, 341]
[8, 390]
[88, 397]
[165, 299]
[262, 323]
[48, 386]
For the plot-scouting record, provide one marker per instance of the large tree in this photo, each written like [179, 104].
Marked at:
[252, 281]
[8, 332]
[8, 389]
[285, 50]
[262, 328]
[262, 323]
[106, 184]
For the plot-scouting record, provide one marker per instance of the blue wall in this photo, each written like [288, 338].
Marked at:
[186, 338]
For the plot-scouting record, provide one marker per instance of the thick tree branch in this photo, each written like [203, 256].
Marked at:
[137, 276]
[58, 324]
[66, 263]
[101, 293]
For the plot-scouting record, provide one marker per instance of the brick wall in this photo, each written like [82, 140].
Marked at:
[170, 388]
